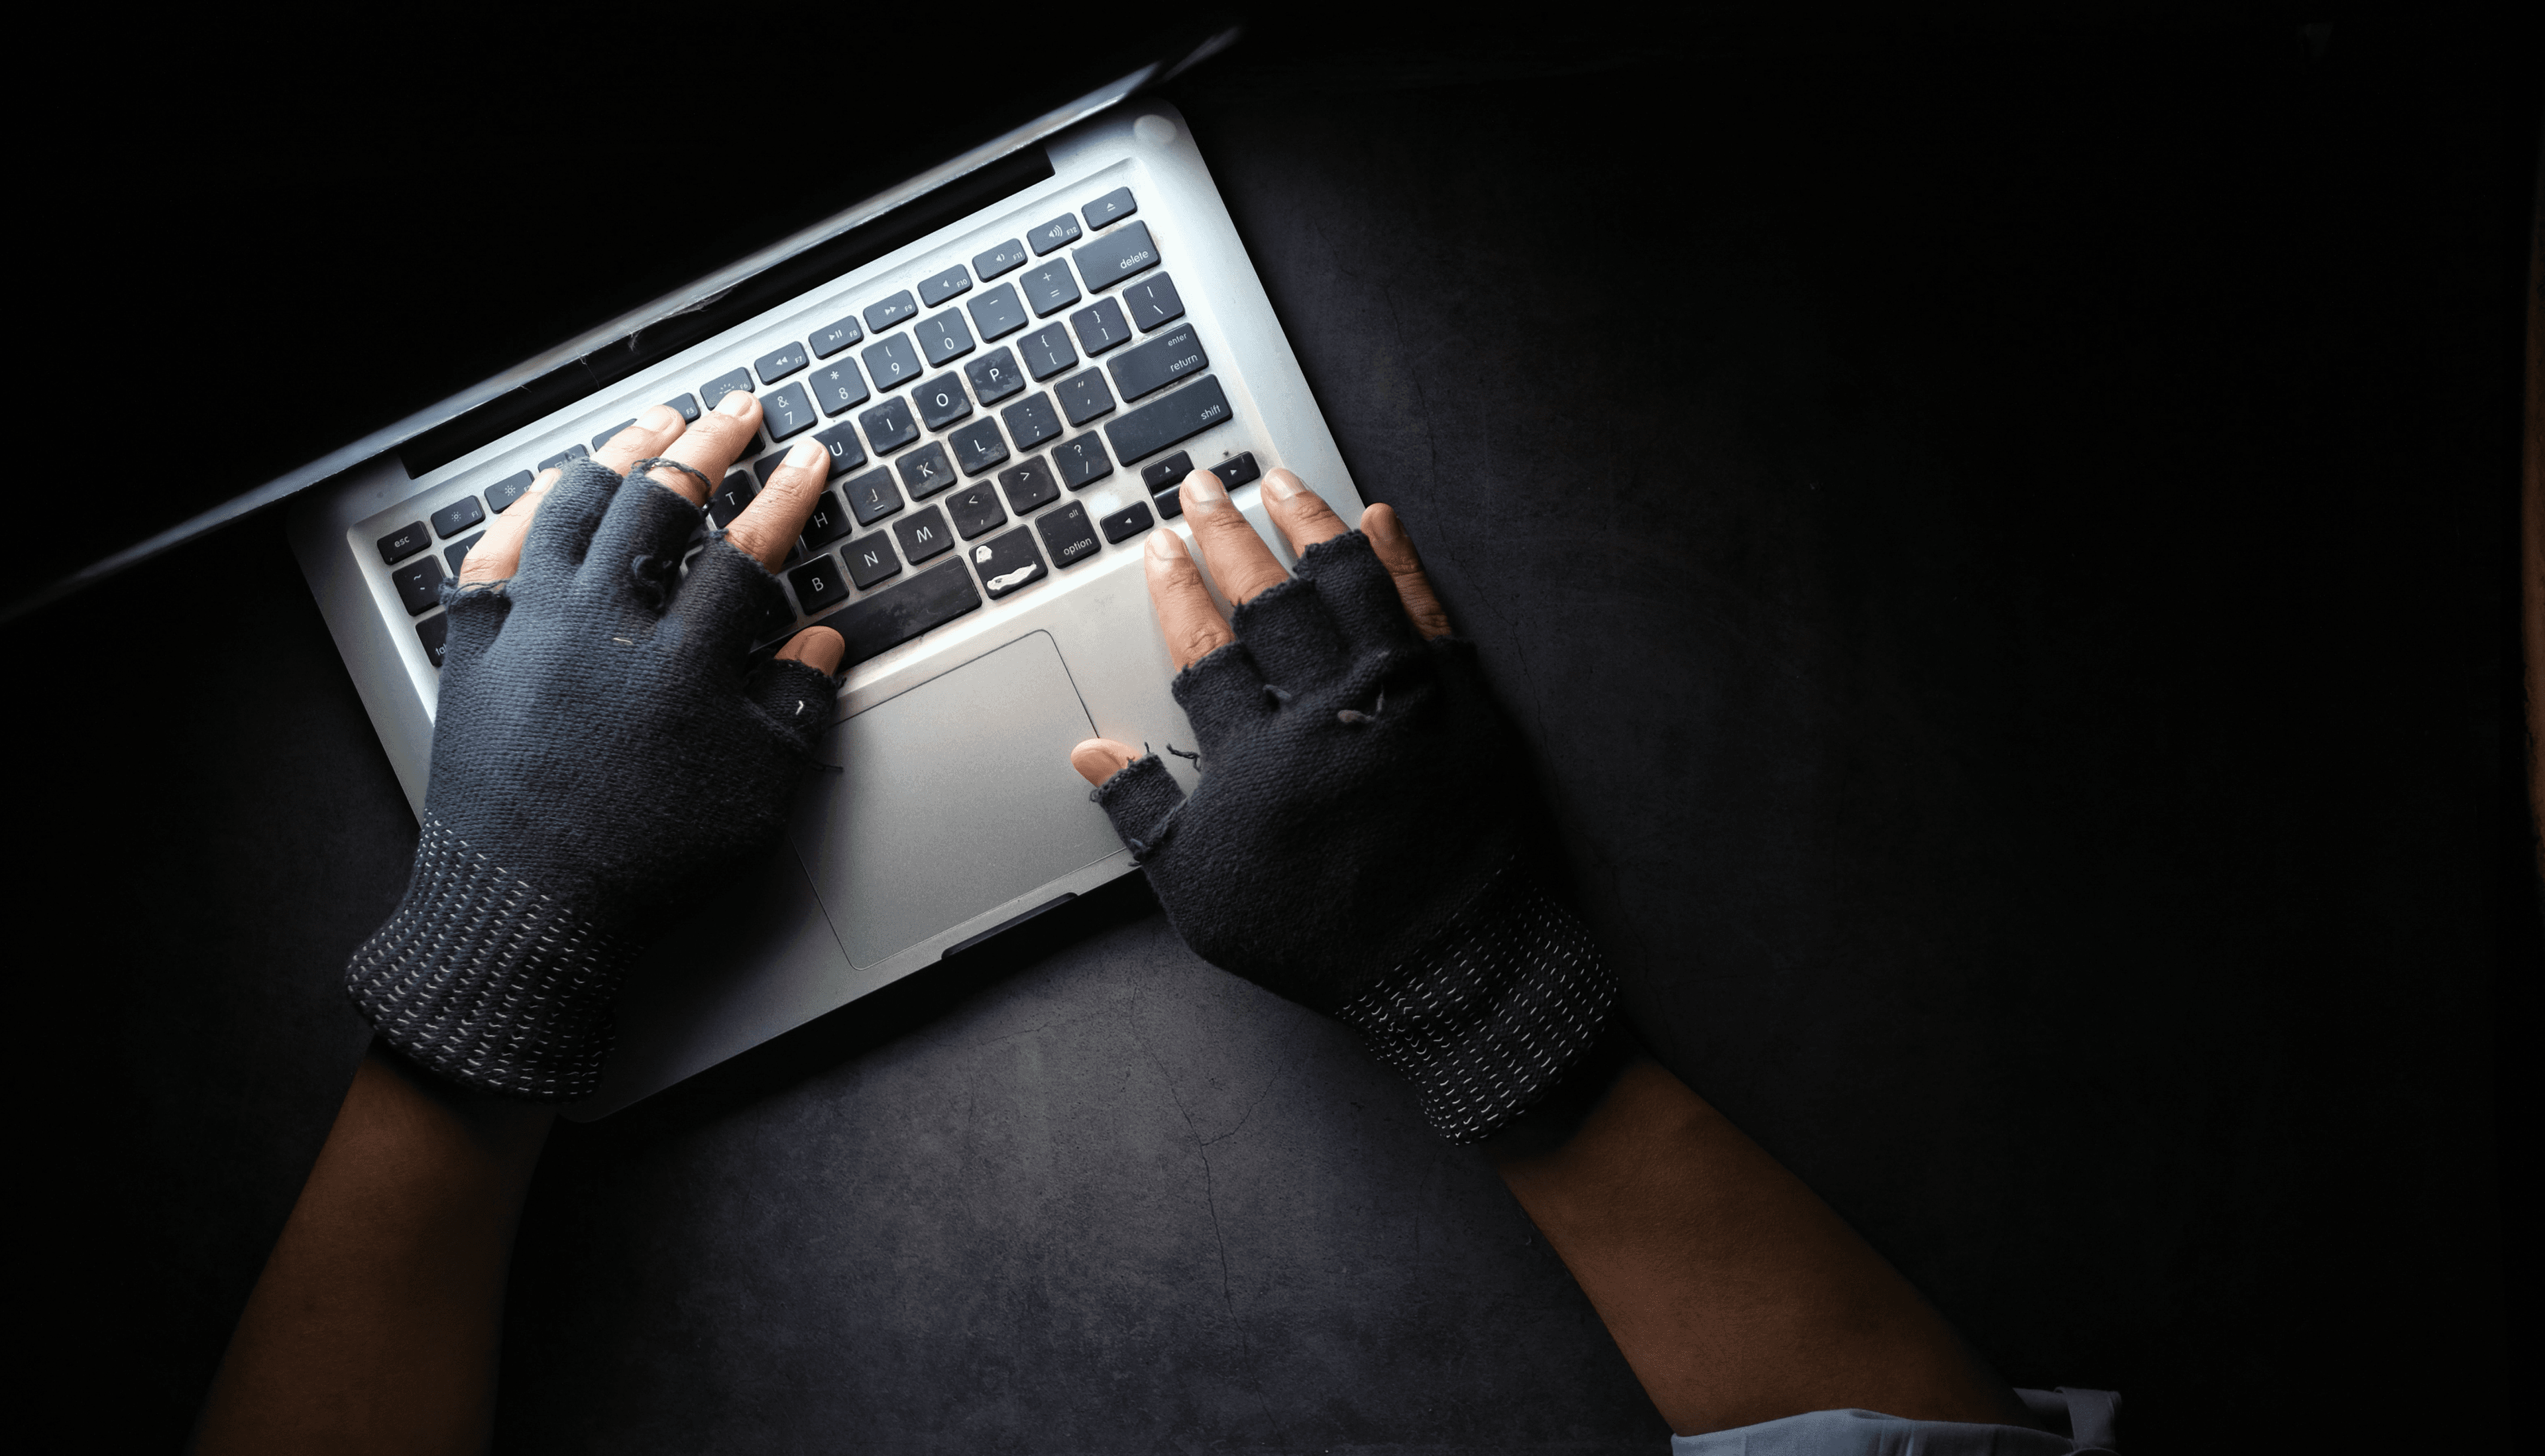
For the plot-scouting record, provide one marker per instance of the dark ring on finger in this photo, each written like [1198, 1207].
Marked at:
[704, 484]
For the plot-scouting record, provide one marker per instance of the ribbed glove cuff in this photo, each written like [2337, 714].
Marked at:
[482, 980]
[1491, 1015]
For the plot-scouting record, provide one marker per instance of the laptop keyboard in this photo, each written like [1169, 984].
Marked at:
[960, 411]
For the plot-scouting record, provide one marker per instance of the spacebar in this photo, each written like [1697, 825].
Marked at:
[1179, 416]
[877, 624]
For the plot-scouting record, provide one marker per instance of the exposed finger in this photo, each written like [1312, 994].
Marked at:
[1186, 616]
[1238, 558]
[769, 524]
[708, 447]
[498, 553]
[818, 648]
[1395, 552]
[653, 430]
[1100, 759]
[1302, 515]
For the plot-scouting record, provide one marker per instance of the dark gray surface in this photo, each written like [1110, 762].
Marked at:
[2013, 634]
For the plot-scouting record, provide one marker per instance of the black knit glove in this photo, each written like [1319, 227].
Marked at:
[602, 751]
[1356, 844]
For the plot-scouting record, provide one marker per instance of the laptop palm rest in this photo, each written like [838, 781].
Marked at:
[953, 799]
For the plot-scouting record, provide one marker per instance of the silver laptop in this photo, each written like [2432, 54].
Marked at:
[1010, 399]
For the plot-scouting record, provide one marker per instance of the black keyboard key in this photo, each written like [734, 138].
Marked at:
[1127, 522]
[419, 586]
[997, 313]
[769, 464]
[1113, 204]
[1067, 539]
[503, 493]
[570, 452]
[892, 310]
[894, 616]
[1235, 471]
[839, 388]
[1029, 486]
[942, 401]
[1170, 421]
[892, 363]
[722, 385]
[603, 436]
[1047, 351]
[827, 523]
[872, 497]
[435, 632]
[872, 559]
[779, 362]
[943, 337]
[408, 539]
[832, 338]
[994, 376]
[1117, 255]
[975, 509]
[1004, 258]
[924, 471]
[730, 498]
[888, 425]
[842, 442]
[819, 584]
[978, 446]
[1031, 421]
[922, 534]
[1008, 562]
[1154, 303]
[790, 411]
[1059, 230]
[1084, 396]
[1100, 326]
[457, 552]
[1167, 473]
[945, 285]
[1161, 362]
[1049, 289]
[1170, 504]
[687, 404]
[1081, 461]
[457, 517]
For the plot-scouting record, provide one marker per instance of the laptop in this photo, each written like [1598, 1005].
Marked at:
[1014, 359]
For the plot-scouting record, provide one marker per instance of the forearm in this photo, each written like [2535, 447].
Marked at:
[1736, 1295]
[375, 1324]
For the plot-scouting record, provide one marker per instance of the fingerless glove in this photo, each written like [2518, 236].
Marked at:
[1356, 844]
[602, 752]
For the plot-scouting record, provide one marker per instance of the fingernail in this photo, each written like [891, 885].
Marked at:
[1202, 492]
[657, 418]
[736, 402]
[1281, 485]
[807, 452]
[1164, 547]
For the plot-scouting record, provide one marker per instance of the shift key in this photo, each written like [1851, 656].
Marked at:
[1170, 421]
[883, 620]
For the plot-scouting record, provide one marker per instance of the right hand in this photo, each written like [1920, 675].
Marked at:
[1359, 788]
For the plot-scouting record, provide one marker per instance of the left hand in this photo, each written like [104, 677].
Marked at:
[601, 748]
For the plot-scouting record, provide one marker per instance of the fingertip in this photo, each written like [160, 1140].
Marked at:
[1164, 547]
[1099, 759]
[818, 648]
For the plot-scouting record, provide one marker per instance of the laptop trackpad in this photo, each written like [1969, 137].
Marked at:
[953, 798]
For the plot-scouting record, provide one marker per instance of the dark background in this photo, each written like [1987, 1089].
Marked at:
[2000, 535]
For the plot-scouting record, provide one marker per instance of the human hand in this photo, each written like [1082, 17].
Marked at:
[602, 750]
[1356, 837]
